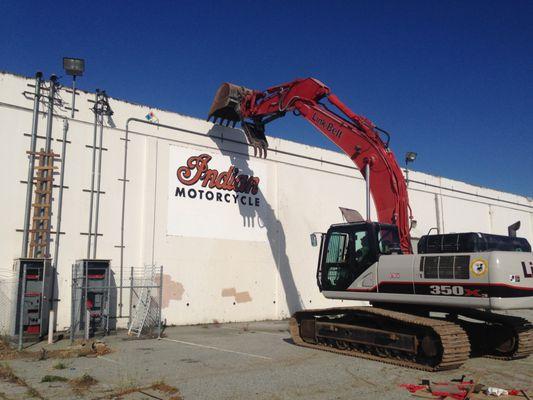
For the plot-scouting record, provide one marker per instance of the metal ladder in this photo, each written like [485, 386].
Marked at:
[144, 302]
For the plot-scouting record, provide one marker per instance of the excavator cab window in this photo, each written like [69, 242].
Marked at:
[348, 252]
[388, 240]
[336, 271]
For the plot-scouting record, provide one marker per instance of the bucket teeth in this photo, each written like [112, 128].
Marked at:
[226, 108]
[227, 102]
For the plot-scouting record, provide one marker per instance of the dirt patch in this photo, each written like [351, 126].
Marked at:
[159, 386]
[164, 388]
[83, 349]
[82, 384]
[7, 352]
[8, 375]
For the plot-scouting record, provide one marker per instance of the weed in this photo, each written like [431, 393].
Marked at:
[31, 392]
[60, 365]
[7, 374]
[53, 378]
[4, 341]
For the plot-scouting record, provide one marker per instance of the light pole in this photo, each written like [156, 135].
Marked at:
[73, 67]
[410, 157]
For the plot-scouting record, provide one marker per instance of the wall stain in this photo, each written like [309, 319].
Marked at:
[240, 297]
[171, 290]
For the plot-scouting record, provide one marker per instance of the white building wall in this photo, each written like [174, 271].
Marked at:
[212, 279]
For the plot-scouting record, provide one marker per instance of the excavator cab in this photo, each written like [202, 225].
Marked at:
[348, 250]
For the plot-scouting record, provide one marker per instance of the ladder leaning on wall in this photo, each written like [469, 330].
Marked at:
[44, 180]
[146, 310]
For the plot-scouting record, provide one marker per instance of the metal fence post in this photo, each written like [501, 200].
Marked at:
[21, 308]
[131, 297]
[160, 301]
[87, 312]
[108, 301]
[73, 302]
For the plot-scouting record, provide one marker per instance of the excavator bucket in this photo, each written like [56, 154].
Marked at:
[226, 108]
[227, 104]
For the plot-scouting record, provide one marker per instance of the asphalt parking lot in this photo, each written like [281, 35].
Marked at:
[233, 361]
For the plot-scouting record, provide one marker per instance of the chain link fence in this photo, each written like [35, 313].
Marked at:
[8, 302]
[145, 301]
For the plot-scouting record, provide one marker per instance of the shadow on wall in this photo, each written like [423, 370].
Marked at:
[267, 216]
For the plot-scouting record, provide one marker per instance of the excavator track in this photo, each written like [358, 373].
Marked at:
[512, 336]
[399, 339]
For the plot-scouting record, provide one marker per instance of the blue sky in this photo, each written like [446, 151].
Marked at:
[452, 80]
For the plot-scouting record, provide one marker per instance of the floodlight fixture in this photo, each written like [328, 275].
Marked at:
[410, 156]
[74, 66]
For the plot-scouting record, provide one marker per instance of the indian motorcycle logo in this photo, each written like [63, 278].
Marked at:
[240, 188]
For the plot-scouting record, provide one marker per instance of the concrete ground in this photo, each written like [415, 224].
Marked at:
[235, 361]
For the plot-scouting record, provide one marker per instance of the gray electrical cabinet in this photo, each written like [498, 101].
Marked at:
[33, 297]
[91, 297]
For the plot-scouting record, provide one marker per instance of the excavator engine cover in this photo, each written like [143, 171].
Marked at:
[227, 103]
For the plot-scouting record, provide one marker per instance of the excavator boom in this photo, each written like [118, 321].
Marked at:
[358, 137]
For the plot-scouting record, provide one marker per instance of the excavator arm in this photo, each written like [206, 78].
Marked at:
[359, 138]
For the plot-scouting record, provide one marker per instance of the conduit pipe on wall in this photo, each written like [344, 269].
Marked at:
[31, 163]
[48, 149]
[99, 180]
[53, 299]
[60, 194]
[90, 232]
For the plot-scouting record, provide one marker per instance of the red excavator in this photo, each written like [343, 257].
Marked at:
[431, 310]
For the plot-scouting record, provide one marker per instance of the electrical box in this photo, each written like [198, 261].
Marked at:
[33, 297]
[91, 297]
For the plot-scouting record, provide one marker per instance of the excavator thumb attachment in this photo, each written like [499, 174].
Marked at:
[227, 104]
[226, 108]
[255, 133]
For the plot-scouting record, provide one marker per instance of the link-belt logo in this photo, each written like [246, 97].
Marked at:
[528, 269]
[197, 171]
[328, 126]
